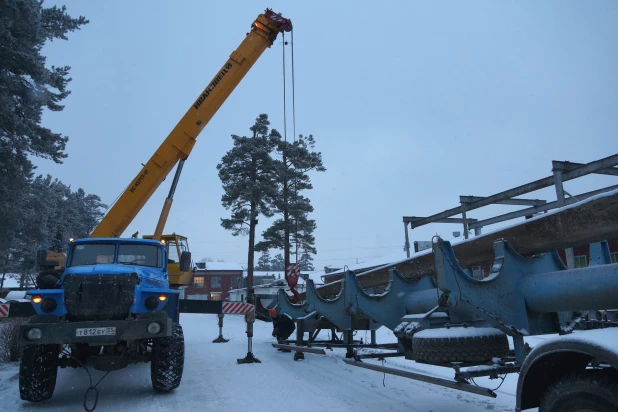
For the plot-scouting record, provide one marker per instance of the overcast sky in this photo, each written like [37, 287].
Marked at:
[411, 104]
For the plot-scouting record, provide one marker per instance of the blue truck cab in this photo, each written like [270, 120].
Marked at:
[110, 306]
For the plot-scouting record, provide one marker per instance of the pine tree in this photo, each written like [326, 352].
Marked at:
[263, 262]
[27, 87]
[294, 228]
[277, 264]
[247, 172]
[306, 261]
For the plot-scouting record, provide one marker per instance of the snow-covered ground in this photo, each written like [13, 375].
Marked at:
[213, 380]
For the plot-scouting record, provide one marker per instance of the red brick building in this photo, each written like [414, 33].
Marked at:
[213, 280]
[582, 254]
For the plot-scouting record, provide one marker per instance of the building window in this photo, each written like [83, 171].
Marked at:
[614, 257]
[581, 261]
[198, 282]
[215, 296]
[236, 282]
[215, 282]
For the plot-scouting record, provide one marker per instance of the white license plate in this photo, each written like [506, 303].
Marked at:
[108, 331]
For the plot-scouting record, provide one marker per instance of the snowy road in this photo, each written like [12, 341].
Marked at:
[214, 381]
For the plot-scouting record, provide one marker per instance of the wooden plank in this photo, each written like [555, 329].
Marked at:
[589, 221]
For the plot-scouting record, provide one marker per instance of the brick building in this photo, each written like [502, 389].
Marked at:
[213, 280]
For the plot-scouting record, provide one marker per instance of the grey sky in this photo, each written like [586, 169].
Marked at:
[411, 103]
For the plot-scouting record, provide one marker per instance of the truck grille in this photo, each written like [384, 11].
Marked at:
[99, 297]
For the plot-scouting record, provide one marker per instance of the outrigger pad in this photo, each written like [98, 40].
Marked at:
[249, 359]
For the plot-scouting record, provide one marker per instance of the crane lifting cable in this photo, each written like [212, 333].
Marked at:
[292, 271]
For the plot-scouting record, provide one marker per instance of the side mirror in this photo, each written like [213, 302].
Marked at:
[185, 261]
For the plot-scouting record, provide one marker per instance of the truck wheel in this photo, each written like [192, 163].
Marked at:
[168, 360]
[589, 391]
[38, 369]
[459, 344]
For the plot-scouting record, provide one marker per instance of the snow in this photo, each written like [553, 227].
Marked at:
[376, 263]
[224, 266]
[316, 276]
[601, 338]
[214, 381]
[459, 332]
[277, 274]
[11, 280]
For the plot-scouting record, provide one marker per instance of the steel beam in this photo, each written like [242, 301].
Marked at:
[612, 171]
[517, 202]
[479, 390]
[413, 219]
[538, 209]
[578, 171]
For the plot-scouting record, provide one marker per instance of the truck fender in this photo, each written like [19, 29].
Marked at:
[560, 356]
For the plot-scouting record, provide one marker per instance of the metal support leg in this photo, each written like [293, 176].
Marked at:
[407, 245]
[349, 340]
[557, 169]
[250, 318]
[300, 334]
[465, 220]
[220, 338]
[373, 337]
[520, 349]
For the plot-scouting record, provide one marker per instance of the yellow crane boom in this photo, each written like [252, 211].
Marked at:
[179, 143]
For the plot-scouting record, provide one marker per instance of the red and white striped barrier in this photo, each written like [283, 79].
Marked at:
[4, 310]
[237, 308]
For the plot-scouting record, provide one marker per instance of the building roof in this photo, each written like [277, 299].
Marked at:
[224, 266]
[276, 274]
[361, 267]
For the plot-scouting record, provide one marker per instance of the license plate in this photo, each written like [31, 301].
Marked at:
[107, 331]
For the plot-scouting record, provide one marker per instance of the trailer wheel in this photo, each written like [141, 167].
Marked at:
[38, 368]
[459, 344]
[168, 359]
[590, 391]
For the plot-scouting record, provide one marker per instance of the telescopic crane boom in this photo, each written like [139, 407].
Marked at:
[180, 141]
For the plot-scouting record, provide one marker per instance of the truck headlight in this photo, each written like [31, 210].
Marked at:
[48, 305]
[154, 328]
[151, 303]
[34, 334]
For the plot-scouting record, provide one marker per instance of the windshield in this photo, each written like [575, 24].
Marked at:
[92, 254]
[142, 255]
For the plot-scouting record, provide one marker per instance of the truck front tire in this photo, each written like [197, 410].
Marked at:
[38, 369]
[168, 359]
[583, 391]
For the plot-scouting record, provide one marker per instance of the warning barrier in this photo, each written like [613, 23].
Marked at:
[4, 310]
[237, 308]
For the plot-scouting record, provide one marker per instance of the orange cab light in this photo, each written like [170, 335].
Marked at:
[162, 297]
[37, 299]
